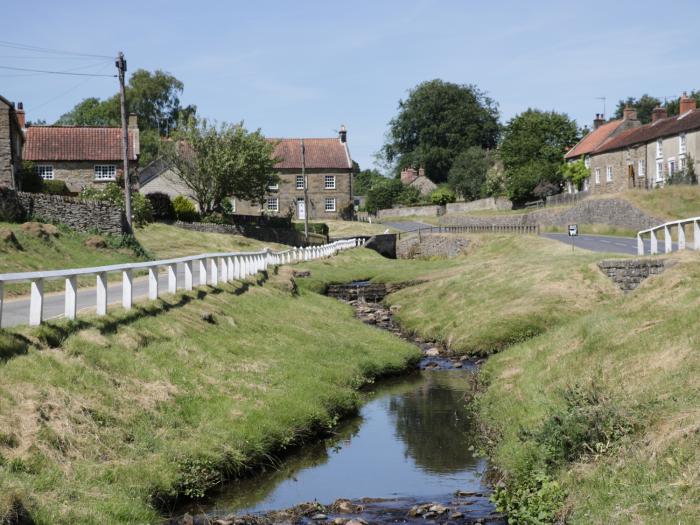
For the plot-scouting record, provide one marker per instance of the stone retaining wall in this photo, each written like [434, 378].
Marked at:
[430, 245]
[629, 273]
[613, 212]
[255, 231]
[81, 215]
[490, 203]
[410, 211]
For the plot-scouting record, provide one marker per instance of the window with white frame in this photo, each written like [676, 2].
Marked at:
[329, 204]
[105, 172]
[659, 170]
[300, 182]
[329, 182]
[659, 148]
[642, 168]
[233, 205]
[682, 163]
[681, 143]
[587, 162]
[597, 175]
[273, 204]
[608, 173]
[45, 172]
[671, 167]
[274, 187]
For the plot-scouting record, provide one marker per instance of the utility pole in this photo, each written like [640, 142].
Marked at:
[121, 67]
[306, 192]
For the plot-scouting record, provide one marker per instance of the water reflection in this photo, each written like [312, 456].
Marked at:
[411, 439]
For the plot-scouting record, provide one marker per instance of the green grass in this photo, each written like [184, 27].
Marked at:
[139, 406]
[593, 229]
[670, 202]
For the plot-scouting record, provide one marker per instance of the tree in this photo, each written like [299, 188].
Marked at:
[442, 195]
[532, 151]
[220, 162]
[364, 180]
[153, 97]
[383, 195]
[468, 172]
[575, 172]
[644, 106]
[437, 122]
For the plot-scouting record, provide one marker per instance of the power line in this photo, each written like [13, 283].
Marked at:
[37, 49]
[47, 72]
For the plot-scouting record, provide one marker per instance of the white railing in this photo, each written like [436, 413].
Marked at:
[667, 228]
[212, 269]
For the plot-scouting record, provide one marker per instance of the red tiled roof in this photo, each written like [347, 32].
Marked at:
[594, 139]
[655, 130]
[319, 153]
[66, 143]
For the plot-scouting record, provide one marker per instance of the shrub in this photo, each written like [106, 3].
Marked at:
[185, 209]
[29, 180]
[141, 210]
[442, 196]
[55, 187]
[162, 206]
[320, 228]
[534, 499]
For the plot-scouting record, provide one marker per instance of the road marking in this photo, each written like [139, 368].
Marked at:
[606, 242]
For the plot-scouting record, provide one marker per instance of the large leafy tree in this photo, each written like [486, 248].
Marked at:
[217, 162]
[644, 106]
[154, 97]
[468, 173]
[364, 180]
[437, 122]
[532, 150]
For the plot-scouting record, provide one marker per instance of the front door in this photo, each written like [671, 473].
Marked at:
[301, 209]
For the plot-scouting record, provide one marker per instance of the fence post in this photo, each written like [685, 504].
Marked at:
[127, 289]
[668, 241]
[153, 282]
[188, 275]
[223, 270]
[202, 271]
[214, 271]
[640, 245]
[71, 299]
[696, 235]
[2, 298]
[101, 293]
[172, 278]
[231, 272]
[654, 243]
[36, 302]
[681, 236]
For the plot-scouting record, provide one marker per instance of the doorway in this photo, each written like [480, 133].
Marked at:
[301, 209]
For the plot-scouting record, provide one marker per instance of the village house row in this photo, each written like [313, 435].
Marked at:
[83, 156]
[624, 154]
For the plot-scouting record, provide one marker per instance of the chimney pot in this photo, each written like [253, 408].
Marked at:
[629, 113]
[658, 113]
[343, 134]
[686, 104]
[21, 117]
[133, 121]
[598, 121]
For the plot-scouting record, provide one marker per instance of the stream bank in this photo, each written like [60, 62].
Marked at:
[407, 457]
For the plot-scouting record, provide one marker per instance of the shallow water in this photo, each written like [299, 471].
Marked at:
[411, 440]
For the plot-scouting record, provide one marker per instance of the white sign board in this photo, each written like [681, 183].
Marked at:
[573, 230]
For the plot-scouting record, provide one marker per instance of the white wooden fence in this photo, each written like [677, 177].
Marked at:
[212, 269]
[667, 228]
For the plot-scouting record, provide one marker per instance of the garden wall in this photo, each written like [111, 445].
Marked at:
[255, 231]
[612, 212]
[409, 211]
[490, 203]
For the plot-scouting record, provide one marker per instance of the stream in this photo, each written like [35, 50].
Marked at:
[405, 458]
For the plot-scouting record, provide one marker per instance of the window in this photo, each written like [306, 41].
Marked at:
[273, 204]
[659, 148]
[642, 168]
[273, 187]
[671, 167]
[329, 204]
[233, 205]
[659, 170]
[608, 174]
[597, 175]
[682, 163]
[105, 172]
[329, 182]
[300, 182]
[587, 162]
[681, 143]
[45, 172]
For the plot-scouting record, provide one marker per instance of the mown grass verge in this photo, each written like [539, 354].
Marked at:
[109, 420]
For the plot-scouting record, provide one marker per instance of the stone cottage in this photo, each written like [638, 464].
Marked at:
[11, 142]
[417, 179]
[328, 169]
[81, 156]
[647, 156]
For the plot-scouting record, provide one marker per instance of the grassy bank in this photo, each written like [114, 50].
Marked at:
[102, 421]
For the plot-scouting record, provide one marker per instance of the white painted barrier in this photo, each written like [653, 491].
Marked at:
[667, 228]
[213, 268]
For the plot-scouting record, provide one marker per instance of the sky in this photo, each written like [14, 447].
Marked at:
[301, 69]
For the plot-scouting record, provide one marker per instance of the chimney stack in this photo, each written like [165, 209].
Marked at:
[421, 171]
[21, 117]
[598, 121]
[408, 175]
[629, 113]
[686, 104]
[343, 134]
[133, 121]
[658, 113]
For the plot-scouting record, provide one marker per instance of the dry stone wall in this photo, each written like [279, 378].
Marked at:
[629, 273]
[490, 203]
[410, 211]
[613, 212]
[261, 233]
[430, 245]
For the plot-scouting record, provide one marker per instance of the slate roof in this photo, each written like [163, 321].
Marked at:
[327, 153]
[653, 131]
[75, 143]
[595, 138]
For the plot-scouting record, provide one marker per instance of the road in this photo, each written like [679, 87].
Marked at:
[16, 311]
